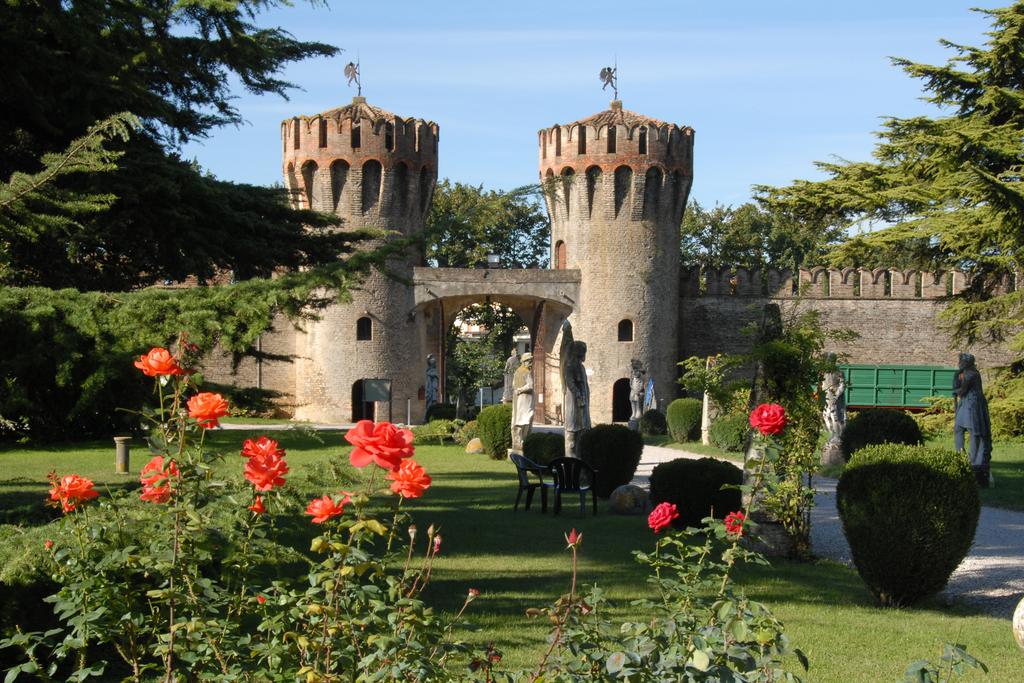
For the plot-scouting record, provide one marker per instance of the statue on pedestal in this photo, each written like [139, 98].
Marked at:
[833, 387]
[523, 403]
[636, 393]
[972, 416]
[431, 386]
[511, 364]
[576, 397]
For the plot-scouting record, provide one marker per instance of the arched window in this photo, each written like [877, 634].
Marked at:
[611, 139]
[623, 183]
[626, 330]
[581, 134]
[371, 184]
[593, 178]
[309, 185]
[364, 329]
[568, 176]
[323, 132]
[642, 143]
[339, 175]
[389, 136]
[295, 132]
[558, 142]
[559, 255]
[652, 192]
[357, 136]
[543, 144]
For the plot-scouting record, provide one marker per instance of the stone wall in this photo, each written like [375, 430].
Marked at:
[895, 313]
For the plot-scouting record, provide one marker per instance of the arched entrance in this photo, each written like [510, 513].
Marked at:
[621, 409]
[361, 408]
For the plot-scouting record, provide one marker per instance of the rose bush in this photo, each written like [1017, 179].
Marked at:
[188, 602]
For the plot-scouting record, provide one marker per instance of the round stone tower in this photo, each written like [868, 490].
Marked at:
[377, 171]
[616, 185]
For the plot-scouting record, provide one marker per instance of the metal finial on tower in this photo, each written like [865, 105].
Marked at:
[353, 75]
[609, 76]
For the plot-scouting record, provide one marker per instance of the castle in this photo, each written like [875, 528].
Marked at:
[616, 185]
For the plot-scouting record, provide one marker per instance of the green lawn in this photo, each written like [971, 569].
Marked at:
[518, 560]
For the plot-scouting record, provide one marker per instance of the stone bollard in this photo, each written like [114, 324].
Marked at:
[122, 451]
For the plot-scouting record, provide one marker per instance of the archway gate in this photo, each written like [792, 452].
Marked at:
[541, 298]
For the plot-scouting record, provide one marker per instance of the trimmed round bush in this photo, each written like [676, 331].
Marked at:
[467, 433]
[494, 427]
[695, 487]
[730, 432]
[653, 423]
[613, 450]
[440, 411]
[543, 447]
[909, 514]
[877, 426]
[684, 419]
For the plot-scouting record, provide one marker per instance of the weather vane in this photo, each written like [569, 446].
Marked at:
[352, 74]
[610, 76]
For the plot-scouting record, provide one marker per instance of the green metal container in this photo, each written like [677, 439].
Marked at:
[895, 386]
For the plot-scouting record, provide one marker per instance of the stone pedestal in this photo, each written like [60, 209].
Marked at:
[634, 424]
[122, 452]
[832, 454]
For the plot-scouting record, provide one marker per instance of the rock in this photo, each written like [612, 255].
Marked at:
[1018, 623]
[628, 500]
[475, 446]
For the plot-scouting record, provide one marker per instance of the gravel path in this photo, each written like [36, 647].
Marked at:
[990, 578]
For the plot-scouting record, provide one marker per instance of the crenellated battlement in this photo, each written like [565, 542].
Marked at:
[613, 138]
[827, 283]
[362, 161]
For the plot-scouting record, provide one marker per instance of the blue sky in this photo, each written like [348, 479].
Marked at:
[769, 87]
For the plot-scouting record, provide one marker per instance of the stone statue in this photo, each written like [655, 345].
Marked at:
[576, 397]
[511, 364]
[636, 393]
[972, 416]
[523, 405]
[833, 387]
[431, 386]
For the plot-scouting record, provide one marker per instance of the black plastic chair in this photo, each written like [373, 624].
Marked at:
[525, 467]
[572, 475]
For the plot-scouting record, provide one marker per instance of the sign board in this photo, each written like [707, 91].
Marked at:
[376, 390]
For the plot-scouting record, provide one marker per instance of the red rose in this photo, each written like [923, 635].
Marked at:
[208, 408]
[573, 538]
[155, 478]
[382, 443]
[734, 523]
[261, 446]
[70, 490]
[258, 506]
[266, 472]
[260, 599]
[768, 418]
[322, 509]
[158, 362]
[48, 544]
[662, 516]
[409, 480]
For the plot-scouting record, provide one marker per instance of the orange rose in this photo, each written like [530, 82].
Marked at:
[322, 509]
[71, 490]
[382, 443]
[207, 408]
[409, 480]
[261, 446]
[158, 362]
[155, 478]
[266, 471]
